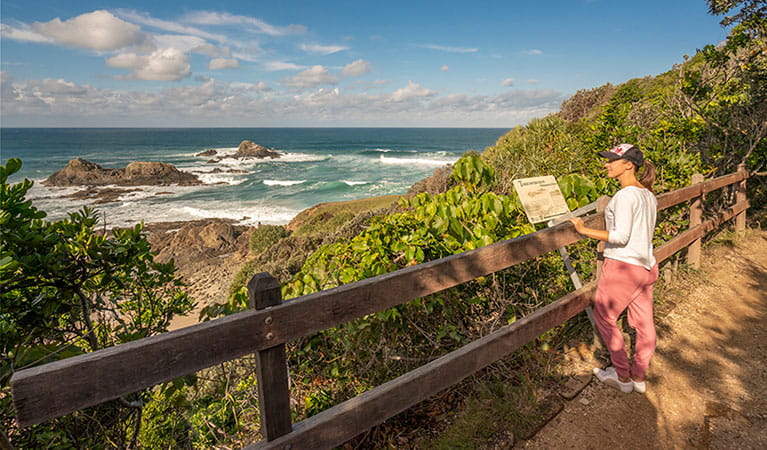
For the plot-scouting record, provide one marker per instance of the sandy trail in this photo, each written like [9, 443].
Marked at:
[707, 385]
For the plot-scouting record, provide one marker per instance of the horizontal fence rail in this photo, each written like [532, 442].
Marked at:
[52, 390]
[93, 378]
[342, 422]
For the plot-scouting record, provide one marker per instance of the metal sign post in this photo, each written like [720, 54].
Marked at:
[566, 256]
[543, 202]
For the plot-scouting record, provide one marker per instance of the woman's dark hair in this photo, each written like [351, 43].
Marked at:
[646, 175]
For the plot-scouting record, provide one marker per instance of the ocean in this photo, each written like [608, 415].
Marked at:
[319, 165]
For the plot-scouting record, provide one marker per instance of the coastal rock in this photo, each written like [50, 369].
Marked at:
[207, 253]
[157, 173]
[251, 149]
[81, 172]
[248, 149]
[190, 242]
[208, 152]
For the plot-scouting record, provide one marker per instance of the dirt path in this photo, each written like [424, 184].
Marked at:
[707, 385]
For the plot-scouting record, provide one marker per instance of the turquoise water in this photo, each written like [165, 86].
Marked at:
[319, 165]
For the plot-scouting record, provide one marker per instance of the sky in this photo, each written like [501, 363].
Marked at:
[328, 63]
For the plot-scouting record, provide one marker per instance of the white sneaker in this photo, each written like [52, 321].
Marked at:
[610, 377]
[640, 386]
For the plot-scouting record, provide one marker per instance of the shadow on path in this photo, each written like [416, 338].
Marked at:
[707, 385]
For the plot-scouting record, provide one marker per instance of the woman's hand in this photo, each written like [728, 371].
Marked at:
[581, 228]
[578, 224]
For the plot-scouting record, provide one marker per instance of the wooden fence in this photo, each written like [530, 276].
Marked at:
[54, 389]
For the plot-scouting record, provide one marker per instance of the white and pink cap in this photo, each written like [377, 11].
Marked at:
[628, 152]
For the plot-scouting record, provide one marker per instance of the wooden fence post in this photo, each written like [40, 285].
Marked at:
[601, 205]
[696, 214]
[740, 219]
[271, 364]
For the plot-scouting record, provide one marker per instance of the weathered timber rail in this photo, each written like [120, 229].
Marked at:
[54, 389]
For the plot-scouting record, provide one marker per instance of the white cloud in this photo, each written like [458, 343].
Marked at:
[444, 48]
[169, 64]
[532, 81]
[412, 90]
[357, 68]
[251, 87]
[185, 43]
[248, 53]
[60, 87]
[23, 34]
[312, 77]
[211, 51]
[444, 68]
[259, 26]
[260, 86]
[275, 66]
[320, 97]
[223, 63]
[98, 30]
[508, 82]
[534, 51]
[146, 19]
[322, 49]
[58, 102]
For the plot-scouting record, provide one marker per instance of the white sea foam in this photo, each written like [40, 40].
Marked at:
[419, 161]
[249, 163]
[224, 151]
[40, 192]
[355, 183]
[302, 157]
[136, 195]
[243, 214]
[128, 213]
[388, 150]
[221, 177]
[283, 182]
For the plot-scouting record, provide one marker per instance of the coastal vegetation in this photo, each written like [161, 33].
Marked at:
[69, 288]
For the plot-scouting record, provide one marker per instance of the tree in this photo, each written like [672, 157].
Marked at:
[751, 14]
[726, 87]
[67, 288]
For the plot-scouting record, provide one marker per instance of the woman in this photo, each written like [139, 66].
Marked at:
[629, 269]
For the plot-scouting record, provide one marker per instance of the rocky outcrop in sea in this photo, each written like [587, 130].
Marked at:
[80, 172]
[251, 149]
[246, 149]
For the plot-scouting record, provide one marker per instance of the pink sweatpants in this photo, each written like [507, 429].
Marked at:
[622, 285]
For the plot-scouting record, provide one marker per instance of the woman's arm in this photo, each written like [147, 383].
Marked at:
[602, 235]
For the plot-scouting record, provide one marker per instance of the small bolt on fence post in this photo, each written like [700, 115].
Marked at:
[696, 214]
[740, 197]
[271, 363]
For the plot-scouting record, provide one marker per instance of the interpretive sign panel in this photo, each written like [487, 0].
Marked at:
[541, 198]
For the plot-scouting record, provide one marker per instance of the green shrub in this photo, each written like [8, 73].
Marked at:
[265, 236]
[548, 146]
[67, 289]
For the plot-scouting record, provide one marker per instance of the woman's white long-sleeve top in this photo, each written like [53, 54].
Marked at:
[630, 219]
